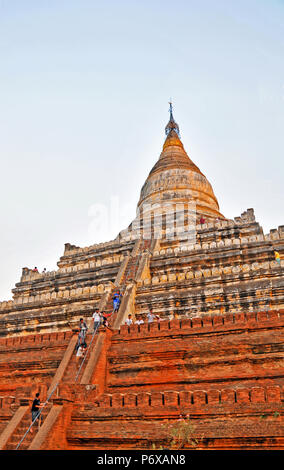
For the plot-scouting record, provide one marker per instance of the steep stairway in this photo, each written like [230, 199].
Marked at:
[75, 368]
[128, 279]
[22, 436]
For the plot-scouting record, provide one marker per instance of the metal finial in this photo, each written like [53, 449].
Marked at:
[172, 125]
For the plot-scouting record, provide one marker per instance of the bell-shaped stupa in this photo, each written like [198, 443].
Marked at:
[175, 181]
[175, 197]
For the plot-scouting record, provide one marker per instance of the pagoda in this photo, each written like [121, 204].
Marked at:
[214, 351]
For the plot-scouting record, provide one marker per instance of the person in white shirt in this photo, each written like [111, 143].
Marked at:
[97, 319]
[150, 316]
[129, 320]
[139, 321]
[80, 352]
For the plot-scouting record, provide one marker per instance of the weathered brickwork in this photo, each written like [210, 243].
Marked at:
[227, 349]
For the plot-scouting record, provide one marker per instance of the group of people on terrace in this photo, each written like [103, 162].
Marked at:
[150, 318]
[35, 270]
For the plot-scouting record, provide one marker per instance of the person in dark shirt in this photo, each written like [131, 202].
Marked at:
[82, 334]
[83, 329]
[36, 410]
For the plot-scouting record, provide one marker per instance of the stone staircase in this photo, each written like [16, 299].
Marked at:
[18, 429]
[131, 270]
[126, 276]
[75, 369]
[22, 436]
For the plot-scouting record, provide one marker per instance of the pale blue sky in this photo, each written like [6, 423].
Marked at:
[84, 91]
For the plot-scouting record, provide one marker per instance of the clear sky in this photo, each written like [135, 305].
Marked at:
[84, 91]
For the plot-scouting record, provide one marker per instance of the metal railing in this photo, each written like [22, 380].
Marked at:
[53, 390]
[85, 356]
[38, 416]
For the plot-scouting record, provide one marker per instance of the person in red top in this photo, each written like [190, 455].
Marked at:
[105, 318]
[202, 220]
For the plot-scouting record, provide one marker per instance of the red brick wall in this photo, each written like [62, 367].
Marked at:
[226, 372]
[28, 363]
[222, 351]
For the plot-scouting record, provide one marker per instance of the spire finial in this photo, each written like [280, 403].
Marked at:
[172, 125]
[171, 109]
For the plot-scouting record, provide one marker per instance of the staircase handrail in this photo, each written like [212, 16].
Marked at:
[37, 417]
[81, 365]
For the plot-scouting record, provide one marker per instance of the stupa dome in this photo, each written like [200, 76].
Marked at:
[176, 180]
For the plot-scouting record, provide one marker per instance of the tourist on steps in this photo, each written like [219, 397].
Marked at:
[116, 301]
[36, 410]
[97, 319]
[82, 333]
[80, 352]
[83, 327]
[105, 318]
